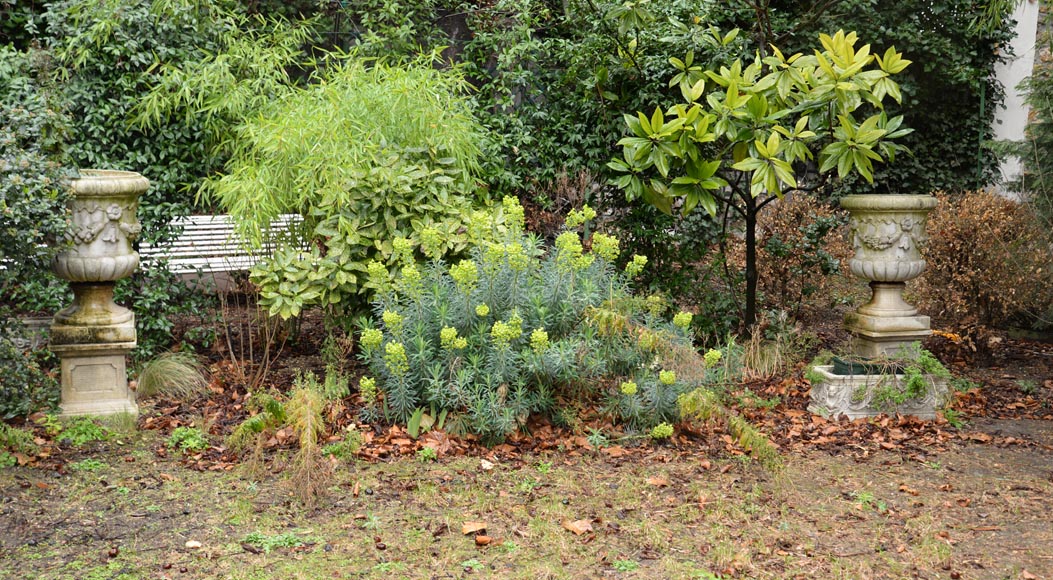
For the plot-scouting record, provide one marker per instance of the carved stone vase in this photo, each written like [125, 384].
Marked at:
[93, 335]
[888, 234]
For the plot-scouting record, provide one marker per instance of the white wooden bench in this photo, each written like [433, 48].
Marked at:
[208, 247]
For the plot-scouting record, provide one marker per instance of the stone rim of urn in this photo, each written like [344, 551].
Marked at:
[887, 233]
[104, 228]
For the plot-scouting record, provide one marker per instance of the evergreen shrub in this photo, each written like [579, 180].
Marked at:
[515, 329]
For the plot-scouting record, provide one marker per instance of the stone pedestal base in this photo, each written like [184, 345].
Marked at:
[884, 336]
[94, 379]
[856, 396]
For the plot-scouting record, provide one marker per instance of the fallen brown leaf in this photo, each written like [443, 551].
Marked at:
[658, 481]
[579, 527]
[472, 527]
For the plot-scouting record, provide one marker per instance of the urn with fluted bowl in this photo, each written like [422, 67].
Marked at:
[93, 335]
[888, 235]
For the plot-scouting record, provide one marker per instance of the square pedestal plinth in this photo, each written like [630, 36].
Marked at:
[856, 396]
[94, 379]
[884, 336]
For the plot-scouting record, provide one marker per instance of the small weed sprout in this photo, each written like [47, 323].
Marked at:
[189, 440]
[17, 440]
[266, 543]
[597, 439]
[346, 448]
[472, 564]
[626, 565]
[88, 465]
[953, 418]
[427, 455]
[1027, 387]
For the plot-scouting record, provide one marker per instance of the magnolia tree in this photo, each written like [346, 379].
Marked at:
[751, 133]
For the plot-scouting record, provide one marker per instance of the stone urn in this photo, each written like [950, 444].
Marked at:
[888, 234]
[93, 335]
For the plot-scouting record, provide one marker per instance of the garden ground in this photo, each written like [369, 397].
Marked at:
[884, 498]
[976, 507]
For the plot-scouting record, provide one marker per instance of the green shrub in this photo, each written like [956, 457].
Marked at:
[157, 297]
[109, 52]
[27, 384]
[516, 329]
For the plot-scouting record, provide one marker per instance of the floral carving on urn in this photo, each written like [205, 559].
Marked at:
[888, 247]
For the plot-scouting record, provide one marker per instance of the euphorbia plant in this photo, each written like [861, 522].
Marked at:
[751, 133]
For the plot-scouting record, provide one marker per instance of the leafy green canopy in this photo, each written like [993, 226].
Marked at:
[764, 121]
[365, 152]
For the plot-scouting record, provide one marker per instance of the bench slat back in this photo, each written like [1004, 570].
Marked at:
[209, 243]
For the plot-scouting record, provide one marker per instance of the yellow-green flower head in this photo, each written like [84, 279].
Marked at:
[482, 310]
[493, 256]
[539, 340]
[461, 343]
[576, 218]
[636, 266]
[648, 341]
[371, 339]
[682, 320]
[447, 337]
[517, 258]
[662, 431]
[479, 225]
[667, 377]
[431, 242]
[712, 357]
[411, 280]
[378, 275]
[583, 261]
[466, 275]
[605, 246]
[402, 248]
[515, 324]
[395, 358]
[568, 251]
[392, 320]
[655, 304]
[367, 387]
[515, 217]
[629, 388]
[501, 333]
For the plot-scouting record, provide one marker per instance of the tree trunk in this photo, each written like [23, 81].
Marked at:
[750, 315]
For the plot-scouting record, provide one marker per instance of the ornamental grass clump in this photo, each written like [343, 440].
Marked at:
[515, 328]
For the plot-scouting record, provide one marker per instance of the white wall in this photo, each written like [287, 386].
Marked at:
[1010, 122]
